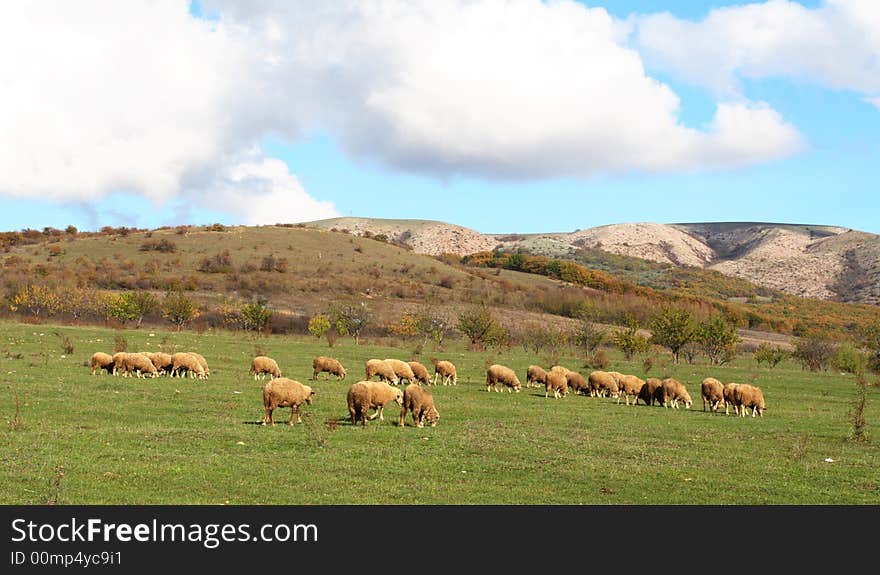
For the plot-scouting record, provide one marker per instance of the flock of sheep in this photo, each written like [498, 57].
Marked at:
[668, 392]
[415, 398]
[149, 364]
[363, 395]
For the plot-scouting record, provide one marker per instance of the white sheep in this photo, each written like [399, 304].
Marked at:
[285, 392]
[261, 365]
[501, 374]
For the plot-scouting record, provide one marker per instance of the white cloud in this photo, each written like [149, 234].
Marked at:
[836, 45]
[263, 191]
[141, 97]
[505, 89]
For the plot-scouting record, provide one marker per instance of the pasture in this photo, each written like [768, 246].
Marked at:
[69, 437]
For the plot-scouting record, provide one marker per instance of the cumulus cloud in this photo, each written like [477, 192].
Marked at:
[137, 97]
[502, 89]
[264, 191]
[143, 97]
[836, 45]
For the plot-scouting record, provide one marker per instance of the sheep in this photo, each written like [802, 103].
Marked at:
[556, 382]
[161, 360]
[285, 392]
[261, 365]
[380, 367]
[746, 396]
[630, 385]
[602, 382]
[421, 372]
[359, 402]
[729, 395]
[101, 360]
[381, 394]
[138, 363]
[561, 369]
[536, 376]
[445, 370]
[185, 361]
[402, 370]
[675, 391]
[577, 383]
[202, 362]
[712, 392]
[118, 362]
[321, 364]
[501, 374]
[652, 391]
[419, 401]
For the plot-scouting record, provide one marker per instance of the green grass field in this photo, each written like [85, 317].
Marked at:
[72, 438]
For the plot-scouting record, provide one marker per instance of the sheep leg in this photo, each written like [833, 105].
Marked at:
[268, 417]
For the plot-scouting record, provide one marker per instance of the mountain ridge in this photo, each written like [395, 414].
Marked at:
[818, 261]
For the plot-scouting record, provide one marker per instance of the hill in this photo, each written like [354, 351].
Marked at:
[814, 261]
[300, 270]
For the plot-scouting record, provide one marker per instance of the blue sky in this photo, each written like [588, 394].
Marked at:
[831, 178]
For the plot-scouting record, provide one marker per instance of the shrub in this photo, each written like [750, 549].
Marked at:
[318, 325]
[814, 352]
[771, 355]
[219, 263]
[629, 340]
[163, 246]
[849, 359]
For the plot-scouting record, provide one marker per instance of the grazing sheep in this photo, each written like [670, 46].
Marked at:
[630, 385]
[261, 365]
[602, 382]
[186, 362]
[323, 364]
[445, 370]
[536, 376]
[652, 391]
[421, 372]
[382, 368]
[577, 383]
[561, 369]
[557, 383]
[101, 360]
[402, 370]
[419, 401]
[712, 392]
[382, 393]
[729, 393]
[202, 362]
[501, 374]
[119, 363]
[746, 396]
[138, 363]
[359, 402]
[162, 361]
[675, 391]
[285, 392]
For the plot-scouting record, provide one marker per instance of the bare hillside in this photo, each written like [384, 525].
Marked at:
[826, 262]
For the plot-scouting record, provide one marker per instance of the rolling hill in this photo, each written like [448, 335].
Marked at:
[823, 262]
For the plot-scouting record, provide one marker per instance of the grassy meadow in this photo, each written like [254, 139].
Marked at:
[68, 437]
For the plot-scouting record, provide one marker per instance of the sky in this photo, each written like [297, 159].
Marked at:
[500, 115]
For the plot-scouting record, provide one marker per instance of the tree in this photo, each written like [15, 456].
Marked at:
[480, 327]
[589, 336]
[718, 339]
[629, 340]
[318, 325]
[350, 320]
[433, 325]
[256, 315]
[37, 299]
[813, 351]
[673, 328]
[143, 303]
[871, 340]
[770, 355]
[179, 309]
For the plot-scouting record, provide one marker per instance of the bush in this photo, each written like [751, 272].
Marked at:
[814, 352]
[164, 246]
[849, 359]
[599, 360]
[220, 263]
[772, 356]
